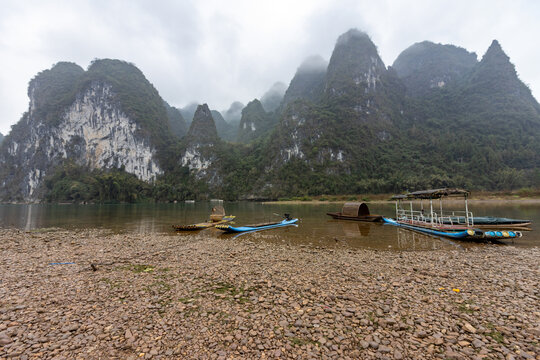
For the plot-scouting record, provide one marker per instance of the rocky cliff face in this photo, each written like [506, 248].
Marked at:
[92, 131]
[199, 154]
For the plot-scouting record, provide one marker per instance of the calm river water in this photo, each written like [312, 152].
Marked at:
[315, 228]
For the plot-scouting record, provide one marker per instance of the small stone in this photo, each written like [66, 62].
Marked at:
[477, 343]
[398, 355]
[469, 328]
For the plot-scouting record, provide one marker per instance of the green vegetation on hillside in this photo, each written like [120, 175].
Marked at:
[54, 90]
[73, 183]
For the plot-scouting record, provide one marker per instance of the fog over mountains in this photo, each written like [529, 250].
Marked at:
[437, 117]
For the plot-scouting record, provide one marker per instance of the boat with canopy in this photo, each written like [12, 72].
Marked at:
[450, 223]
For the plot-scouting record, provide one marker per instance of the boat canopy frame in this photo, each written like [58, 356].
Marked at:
[435, 218]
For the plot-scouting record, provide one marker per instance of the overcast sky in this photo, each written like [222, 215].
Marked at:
[222, 51]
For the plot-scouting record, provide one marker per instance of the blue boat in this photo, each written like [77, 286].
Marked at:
[258, 227]
[469, 234]
[451, 224]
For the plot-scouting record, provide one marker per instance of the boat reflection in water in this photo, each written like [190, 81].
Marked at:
[352, 229]
[412, 240]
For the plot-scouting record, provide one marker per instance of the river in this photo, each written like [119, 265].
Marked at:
[315, 228]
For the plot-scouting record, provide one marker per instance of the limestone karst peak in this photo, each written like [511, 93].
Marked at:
[203, 127]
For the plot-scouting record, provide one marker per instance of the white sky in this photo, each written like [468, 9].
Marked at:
[221, 51]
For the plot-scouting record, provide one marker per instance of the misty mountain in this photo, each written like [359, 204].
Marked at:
[485, 129]
[234, 113]
[255, 122]
[203, 128]
[308, 82]
[177, 123]
[271, 99]
[188, 111]
[225, 130]
[438, 117]
[1, 138]
[426, 66]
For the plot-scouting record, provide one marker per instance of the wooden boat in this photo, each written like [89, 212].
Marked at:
[256, 227]
[204, 225]
[452, 224]
[217, 217]
[355, 211]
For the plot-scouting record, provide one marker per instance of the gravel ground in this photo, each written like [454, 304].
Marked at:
[155, 296]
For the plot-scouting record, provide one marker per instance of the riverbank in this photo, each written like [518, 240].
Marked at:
[525, 197]
[186, 297]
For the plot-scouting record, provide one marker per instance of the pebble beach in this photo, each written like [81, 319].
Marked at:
[93, 294]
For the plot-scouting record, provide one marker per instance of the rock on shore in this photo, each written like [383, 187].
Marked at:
[155, 296]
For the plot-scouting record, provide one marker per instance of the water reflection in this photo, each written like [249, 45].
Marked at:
[353, 228]
[315, 228]
[412, 240]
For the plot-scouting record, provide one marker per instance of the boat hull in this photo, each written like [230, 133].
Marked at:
[367, 218]
[249, 228]
[458, 233]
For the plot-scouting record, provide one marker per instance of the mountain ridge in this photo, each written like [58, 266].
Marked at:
[349, 125]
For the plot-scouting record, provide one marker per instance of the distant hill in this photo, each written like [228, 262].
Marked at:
[177, 123]
[271, 100]
[255, 122]
[188, 112]
[426, 66]
[308, 82]
[233, 114]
